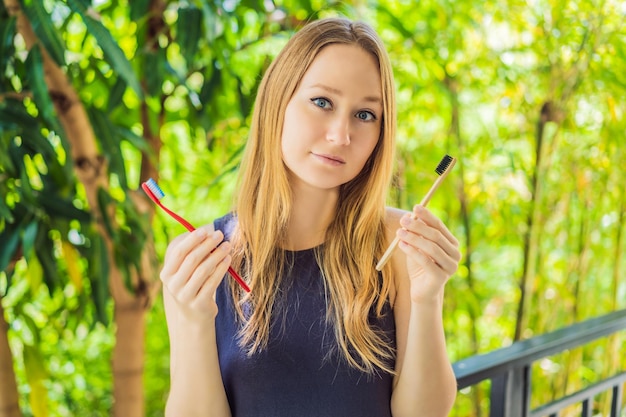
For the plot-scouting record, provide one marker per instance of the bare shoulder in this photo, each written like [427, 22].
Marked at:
[394, 213]
[392, 219]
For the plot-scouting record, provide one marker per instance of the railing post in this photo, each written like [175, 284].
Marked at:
[616, 401]
[510, 393]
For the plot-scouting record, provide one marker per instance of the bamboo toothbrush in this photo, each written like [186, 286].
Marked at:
[152, 189]
[444, 167]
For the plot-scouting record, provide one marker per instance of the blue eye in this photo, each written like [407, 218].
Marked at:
[321, 102]
[366, 116]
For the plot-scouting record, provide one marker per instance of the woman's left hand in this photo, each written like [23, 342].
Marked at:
[432, 253]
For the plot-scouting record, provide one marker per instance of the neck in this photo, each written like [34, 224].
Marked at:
[312, 212]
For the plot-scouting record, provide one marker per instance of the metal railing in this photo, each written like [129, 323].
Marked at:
[509, 370]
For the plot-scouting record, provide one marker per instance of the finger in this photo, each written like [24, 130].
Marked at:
[179, 247]
[429, 218]
[204, 272]
[190, 261]
[424, 261]
[428, 249]
[421, 228]
[206, 293]
[437, 267]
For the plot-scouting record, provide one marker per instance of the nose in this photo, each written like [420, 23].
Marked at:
[338, 131]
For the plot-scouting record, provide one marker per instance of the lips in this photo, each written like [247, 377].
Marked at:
[329, 159]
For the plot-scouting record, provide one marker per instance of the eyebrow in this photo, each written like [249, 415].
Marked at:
[332, 90]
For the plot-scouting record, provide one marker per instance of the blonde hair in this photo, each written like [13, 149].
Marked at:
[355, 238]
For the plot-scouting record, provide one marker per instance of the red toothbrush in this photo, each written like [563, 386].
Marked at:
[152, 189]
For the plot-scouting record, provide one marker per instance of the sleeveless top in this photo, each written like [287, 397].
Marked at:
[295, 376]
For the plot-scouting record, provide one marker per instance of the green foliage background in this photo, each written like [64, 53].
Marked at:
[529, 95]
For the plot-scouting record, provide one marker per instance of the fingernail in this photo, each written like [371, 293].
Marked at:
[405, 220]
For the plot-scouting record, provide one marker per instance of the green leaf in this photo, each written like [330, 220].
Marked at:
[44, 249]
[28, 238]
[246, 101]
[34, 363]
[36, 143]
[132, 237]
[45, 30]
[5, 212]
[134, 139]
[117, 93]
[36, 373]
[6, 162]
[34, 275]
[227, 170]
[188, 31]
[110, 141]
[113, 54]
[7, 47]
[138, 9]
[59, 207]
[13, 113]
[27, 192]
[9, 239]
[99, 277]
[212, 24]
[211, 84]
[71, 257]
[396, 22]
[104, 201]
[37, 83]
[155, 71]
[16, 154]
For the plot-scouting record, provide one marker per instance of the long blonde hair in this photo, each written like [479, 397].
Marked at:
[355, 238]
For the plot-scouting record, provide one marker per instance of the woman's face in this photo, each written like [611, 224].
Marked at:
[333, 120]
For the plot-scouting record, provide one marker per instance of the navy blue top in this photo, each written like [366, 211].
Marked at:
[293, 376]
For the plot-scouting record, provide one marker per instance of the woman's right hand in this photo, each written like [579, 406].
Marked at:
[195, 264]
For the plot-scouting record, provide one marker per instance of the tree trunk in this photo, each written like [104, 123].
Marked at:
[9, 398]
[128, 361]
[548, 113]
[91, 171]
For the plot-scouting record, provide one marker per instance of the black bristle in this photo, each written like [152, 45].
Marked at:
[443, 165]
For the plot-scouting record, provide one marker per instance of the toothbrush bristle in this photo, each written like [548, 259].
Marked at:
[443, 165]
[154, 187]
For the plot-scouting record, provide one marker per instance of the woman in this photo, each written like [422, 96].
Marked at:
[322, 333]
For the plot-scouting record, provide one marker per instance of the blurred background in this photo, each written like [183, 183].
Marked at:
[98, 96]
